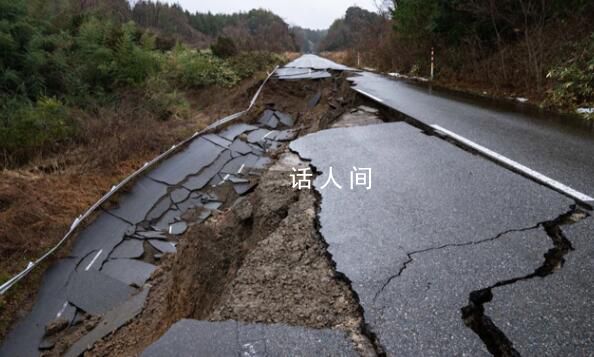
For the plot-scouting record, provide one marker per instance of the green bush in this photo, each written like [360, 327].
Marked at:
[164, 101]
[49, 66]
[574, 81]
[224, 48]
[34, 127]
[248, 63]
[133, 64]
[111, 56]
[194, 69]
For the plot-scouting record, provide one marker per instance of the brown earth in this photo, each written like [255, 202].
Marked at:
[261, 261]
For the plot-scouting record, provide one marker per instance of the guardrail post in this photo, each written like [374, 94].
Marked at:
[432, 63]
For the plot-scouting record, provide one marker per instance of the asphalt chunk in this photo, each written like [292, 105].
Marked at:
[129, 271]
[95, 292]
[236, 130]
[199, 181]
[134, 206]
[163, 247]
[112, 321]
[129, 248]
[241, 147]
[218, 140]
[179, 195]
[199, 154]
[105, 233]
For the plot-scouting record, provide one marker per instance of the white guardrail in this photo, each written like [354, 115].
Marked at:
[32, 265]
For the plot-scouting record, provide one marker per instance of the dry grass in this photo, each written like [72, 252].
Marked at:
[290, 56]
[338, 56]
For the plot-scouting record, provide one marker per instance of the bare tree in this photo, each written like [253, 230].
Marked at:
[535, 14]
[385, 7]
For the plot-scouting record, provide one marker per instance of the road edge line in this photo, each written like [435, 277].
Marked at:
[519, 168]
[371, 96]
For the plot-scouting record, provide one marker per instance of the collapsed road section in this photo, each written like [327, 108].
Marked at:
[115, 255]
[122, 264]
[216, 252]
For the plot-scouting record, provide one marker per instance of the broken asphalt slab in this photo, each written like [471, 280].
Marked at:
[134, 205]
[294, 74]
[129, 248]
[129, 271]
[236, 130]
[163, 247]
[199, 181]
[113, 320]
[425, 193]
[103, 235]
[199, 154]
[316, 62]
[95, 292]
[231, 338]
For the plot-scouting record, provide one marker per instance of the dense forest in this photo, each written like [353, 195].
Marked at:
[306, 40]
[357, 27]
[65, 61]
[254, 30]
[541, 49]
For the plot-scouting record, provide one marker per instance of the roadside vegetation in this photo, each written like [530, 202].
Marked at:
[55, 71]
[91, 90]
[542, 50]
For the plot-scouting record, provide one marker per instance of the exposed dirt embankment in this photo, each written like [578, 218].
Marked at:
[286, 276]
[260, 261]
[261, 258]
[213, 253]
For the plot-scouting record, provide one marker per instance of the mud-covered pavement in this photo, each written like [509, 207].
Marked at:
[216, 252]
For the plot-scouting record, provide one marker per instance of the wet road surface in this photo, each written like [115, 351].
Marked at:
[437, 224]
[559, 147]
[450, 253]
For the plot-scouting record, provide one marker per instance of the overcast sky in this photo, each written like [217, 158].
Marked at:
[314, 14]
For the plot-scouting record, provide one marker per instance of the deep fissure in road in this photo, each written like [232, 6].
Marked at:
[474, 315]
[364, 336]
[260, 259]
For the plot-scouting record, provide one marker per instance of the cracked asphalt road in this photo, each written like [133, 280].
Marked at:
[437, 224]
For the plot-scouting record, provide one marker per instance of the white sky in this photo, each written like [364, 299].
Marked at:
[314, 14]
